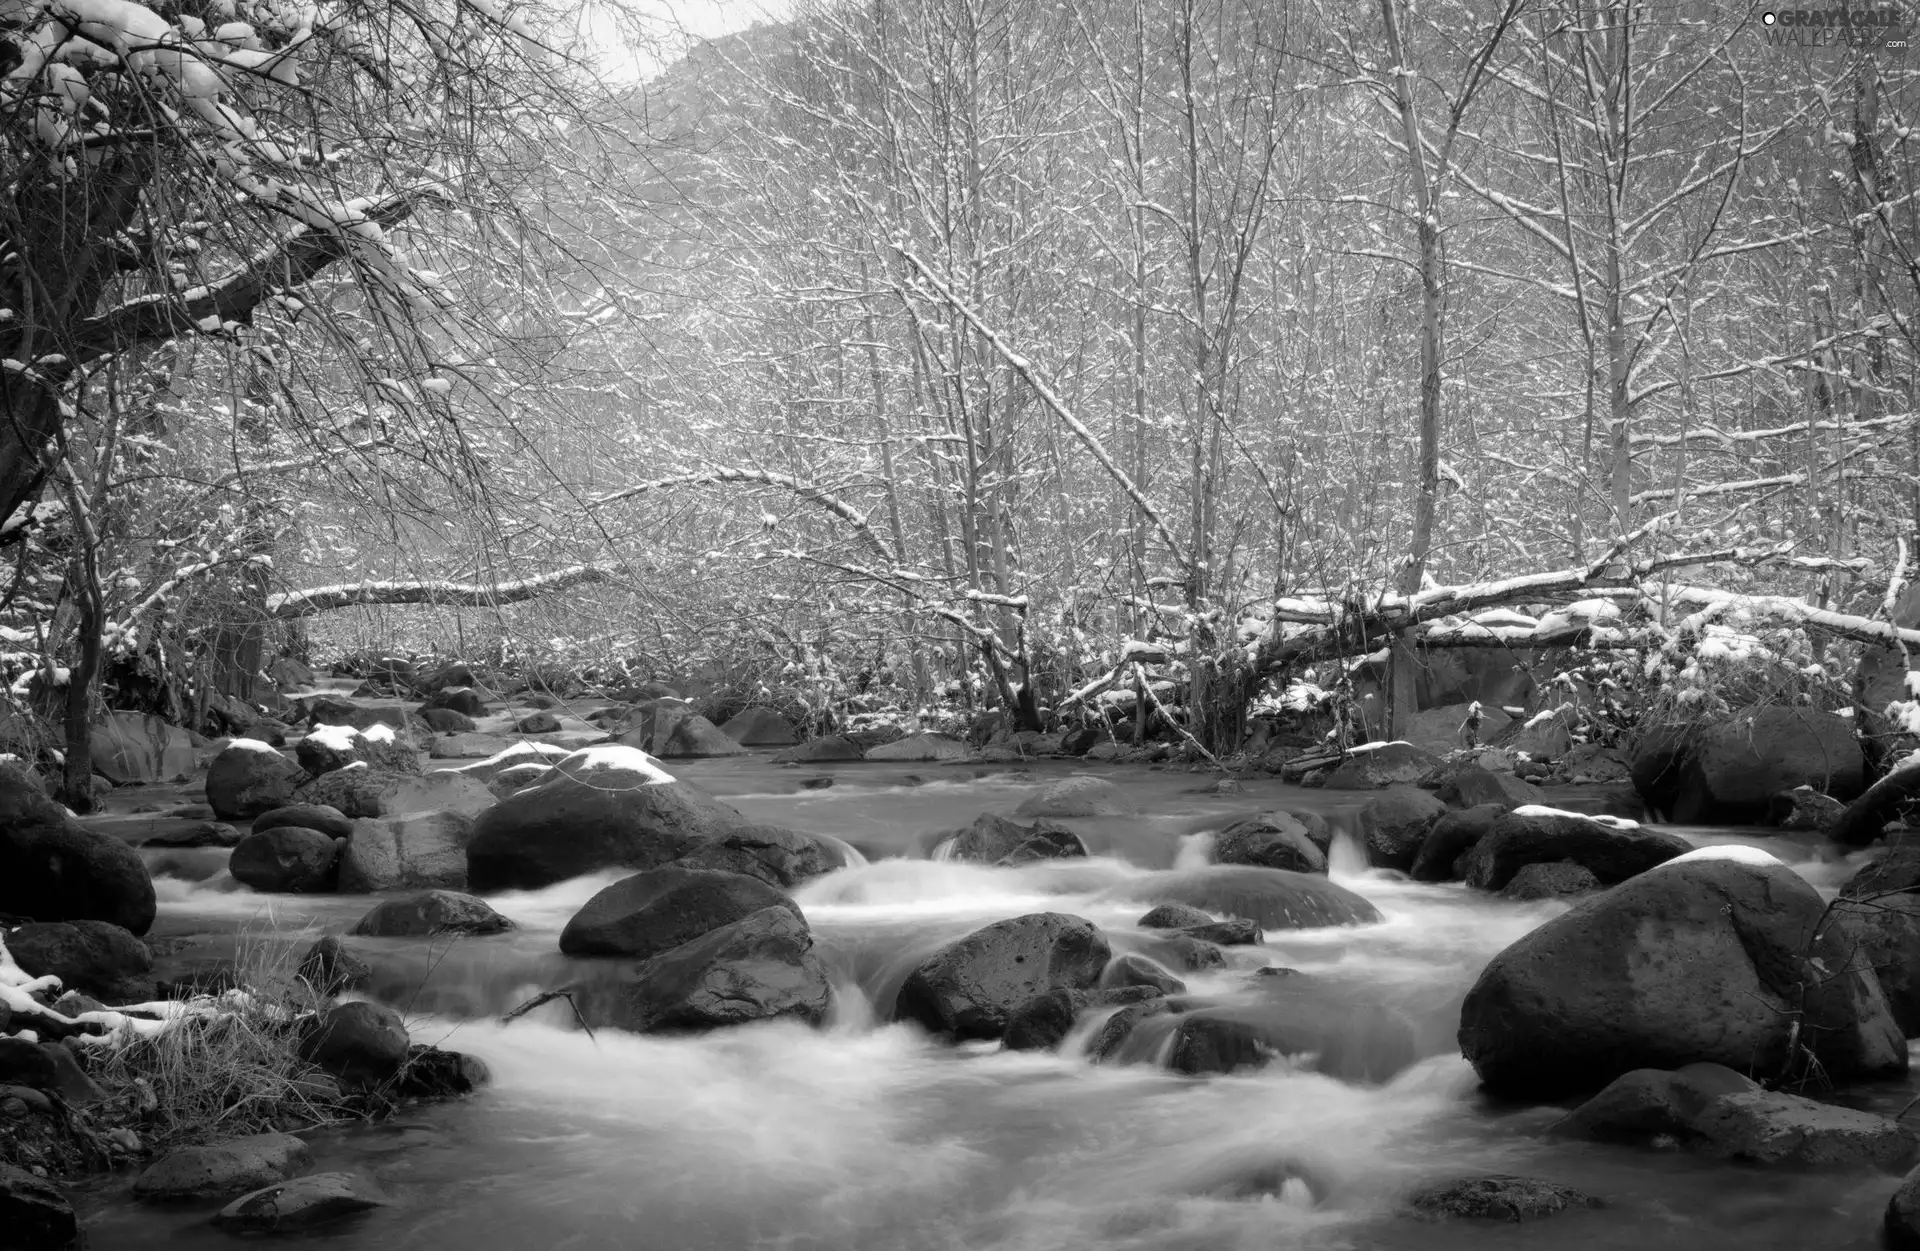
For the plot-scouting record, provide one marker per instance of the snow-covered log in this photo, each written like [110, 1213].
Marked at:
[1866, 816]
[320, 599]
[1333, 627]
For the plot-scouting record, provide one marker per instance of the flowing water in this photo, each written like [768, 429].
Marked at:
[868, 1136]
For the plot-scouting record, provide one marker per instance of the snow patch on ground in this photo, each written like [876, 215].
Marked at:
[253, 744]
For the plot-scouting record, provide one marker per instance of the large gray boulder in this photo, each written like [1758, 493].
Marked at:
[758, 968]
[289, 860]
[1711, 1110]
[971, 986]
[920, 747]
[1274, 899]
[658, 910]
[248, 778]
[1394, 825]
[778, 857]
[410, 851]
[828, 749]
[1279, 1013]
[430, 913]
[138, 747]
[96, 957]
[601, 808]
[1879, 906]
[1701, 959]
[310, 1202]
[1079, 796]
[1271, 840]
[1611, 849]
[1726, 772]
[52, 868]
[759, 727]
[1452, 836]
[1381, 764]
[997, 841]
[222, 1168]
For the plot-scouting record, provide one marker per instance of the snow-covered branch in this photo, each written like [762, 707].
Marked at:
[320, 599]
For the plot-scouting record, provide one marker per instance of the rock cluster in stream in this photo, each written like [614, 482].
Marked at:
[1649, 1007]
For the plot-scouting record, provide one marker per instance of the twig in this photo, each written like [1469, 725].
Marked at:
[546, 997]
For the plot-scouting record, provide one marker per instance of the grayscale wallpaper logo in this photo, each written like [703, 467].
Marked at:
[1882, 29]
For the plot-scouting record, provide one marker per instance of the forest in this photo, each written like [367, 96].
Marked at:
[933, 355]
[758, 555]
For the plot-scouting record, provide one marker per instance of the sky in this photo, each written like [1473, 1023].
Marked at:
[669, 26]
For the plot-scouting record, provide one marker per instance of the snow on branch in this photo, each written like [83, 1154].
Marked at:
[320, 599]
[290, 263]
[761, 477]
[1331, 625]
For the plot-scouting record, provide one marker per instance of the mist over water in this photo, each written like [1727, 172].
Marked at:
[867, 1135]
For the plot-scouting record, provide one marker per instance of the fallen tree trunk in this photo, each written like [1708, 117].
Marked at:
[293, 604]
[1866, 816]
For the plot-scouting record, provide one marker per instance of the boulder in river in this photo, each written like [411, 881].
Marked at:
[1711, 1110]
[511, 756]
[1715, 957]
[130, 748]
[779, 857]
[1452, 836]
[1610, 848]
[1726, 771]
[1497, 1197]
[1394, 825]
[461, 699]
[248, 778]
[329, 821]
[1173, 916]
[697, 736]
[197, 834]
[1562, 879]
[447, 721]
[309, 1202]
[428, 913]
[971, 986]
[362, 1044]
[1081, 795]
[603, 807]
[920, 748]
[1275, 899]
[1900, 1227]
[1044, 1021]
[997, 841]
[1380, 764]
[360, 791]
[220, 1169]
[537, 723]
[759, 727]
[419, 849]
[659, 909]
[97, 957]
[1271, 840]
[1879, 906]
[758, 968]
[330, 747]
[1277, 1015]
[52, 868]
[1470, 785]
[287, 860]
[827, 749]
[36, 1216]
[1803, 808]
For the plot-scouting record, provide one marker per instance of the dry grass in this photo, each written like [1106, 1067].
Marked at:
[226, 1076]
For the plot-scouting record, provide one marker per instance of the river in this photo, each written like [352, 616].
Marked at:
[868, 1136]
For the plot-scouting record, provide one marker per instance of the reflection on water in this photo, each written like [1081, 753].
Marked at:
[867, 1135]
